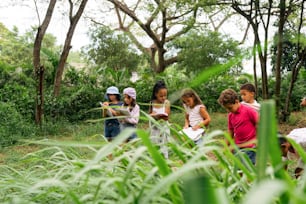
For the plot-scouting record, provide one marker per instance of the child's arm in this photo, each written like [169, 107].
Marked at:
[134, 118]
[167, 110]
[107, 107]
[186, 125]
[206, 119]
[104, 106]
[231, 133]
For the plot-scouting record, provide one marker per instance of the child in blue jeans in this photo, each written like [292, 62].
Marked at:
[111, 125]
[242, 122]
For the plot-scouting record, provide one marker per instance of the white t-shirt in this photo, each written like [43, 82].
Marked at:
[299, 136]
[194, 114]
[255, 105]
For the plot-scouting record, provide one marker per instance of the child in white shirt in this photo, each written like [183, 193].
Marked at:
[160, 110]
[289, 153]
[196, 115]
[247, 93]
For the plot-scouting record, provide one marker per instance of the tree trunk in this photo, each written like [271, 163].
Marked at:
[39, 108]
[255, 71]
[301, 58]
[38, 69]
[251, 14]
[286, 112]
[282, 18]
[67, 46]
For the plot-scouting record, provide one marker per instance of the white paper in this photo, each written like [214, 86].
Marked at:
[193, 134]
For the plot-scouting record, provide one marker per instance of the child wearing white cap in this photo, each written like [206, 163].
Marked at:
[111, 125]
[133, 109]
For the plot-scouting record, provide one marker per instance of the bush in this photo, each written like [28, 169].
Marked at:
[13, 125]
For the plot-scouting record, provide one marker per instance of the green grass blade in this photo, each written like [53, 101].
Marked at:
[199, 190]
[160, 163]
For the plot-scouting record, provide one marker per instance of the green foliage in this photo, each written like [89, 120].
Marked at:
[111, 50]
[297, 94]
[290, 50]
[200, 50]
[13, 50]
[13, 125]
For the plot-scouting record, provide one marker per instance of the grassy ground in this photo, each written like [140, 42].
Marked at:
[91, 133]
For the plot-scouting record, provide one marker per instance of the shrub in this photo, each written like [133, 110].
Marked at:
[13, 125]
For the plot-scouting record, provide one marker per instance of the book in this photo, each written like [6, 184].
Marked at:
[123, 111]
[193, 134]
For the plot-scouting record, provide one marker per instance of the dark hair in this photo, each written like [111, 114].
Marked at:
[282, 140]
[248, 87]
[117, 97]
[228, 96]
[188, 92]
[133, 103]
[158, 85]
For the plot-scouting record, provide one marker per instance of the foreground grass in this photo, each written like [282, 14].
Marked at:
[81, 167]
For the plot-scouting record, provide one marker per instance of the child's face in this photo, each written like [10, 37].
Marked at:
[233, 108]
[285, 148]
[247, 96]
[188, 101]
[127, 99]
[112, 97]
[161, 95]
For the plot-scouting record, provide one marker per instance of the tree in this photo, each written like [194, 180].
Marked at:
[300, 55]
[74, 19]
[38, 68]
[160, 21]
[111, 50]
[258, 14]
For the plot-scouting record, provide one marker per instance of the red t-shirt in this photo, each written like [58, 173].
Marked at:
[243, 124]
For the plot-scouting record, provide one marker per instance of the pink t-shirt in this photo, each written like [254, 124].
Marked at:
[243, 124]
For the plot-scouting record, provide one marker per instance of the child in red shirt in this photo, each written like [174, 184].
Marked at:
[242, 122]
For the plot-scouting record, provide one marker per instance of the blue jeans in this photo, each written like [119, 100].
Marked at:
[111, 130]
[251, 153]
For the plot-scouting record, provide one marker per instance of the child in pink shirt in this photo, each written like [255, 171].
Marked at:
[242, 122]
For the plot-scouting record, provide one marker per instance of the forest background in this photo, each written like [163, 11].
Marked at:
[177, 44]
[50, 96]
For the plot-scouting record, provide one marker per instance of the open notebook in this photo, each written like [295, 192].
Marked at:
[193, 134]
[123, 111]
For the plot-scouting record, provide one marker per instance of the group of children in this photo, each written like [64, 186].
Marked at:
[243, 116]
[196, 115]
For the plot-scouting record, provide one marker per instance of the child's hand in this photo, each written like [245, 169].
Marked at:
[163, 117]
[196, 127]
[186, 126]
[105, 103]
